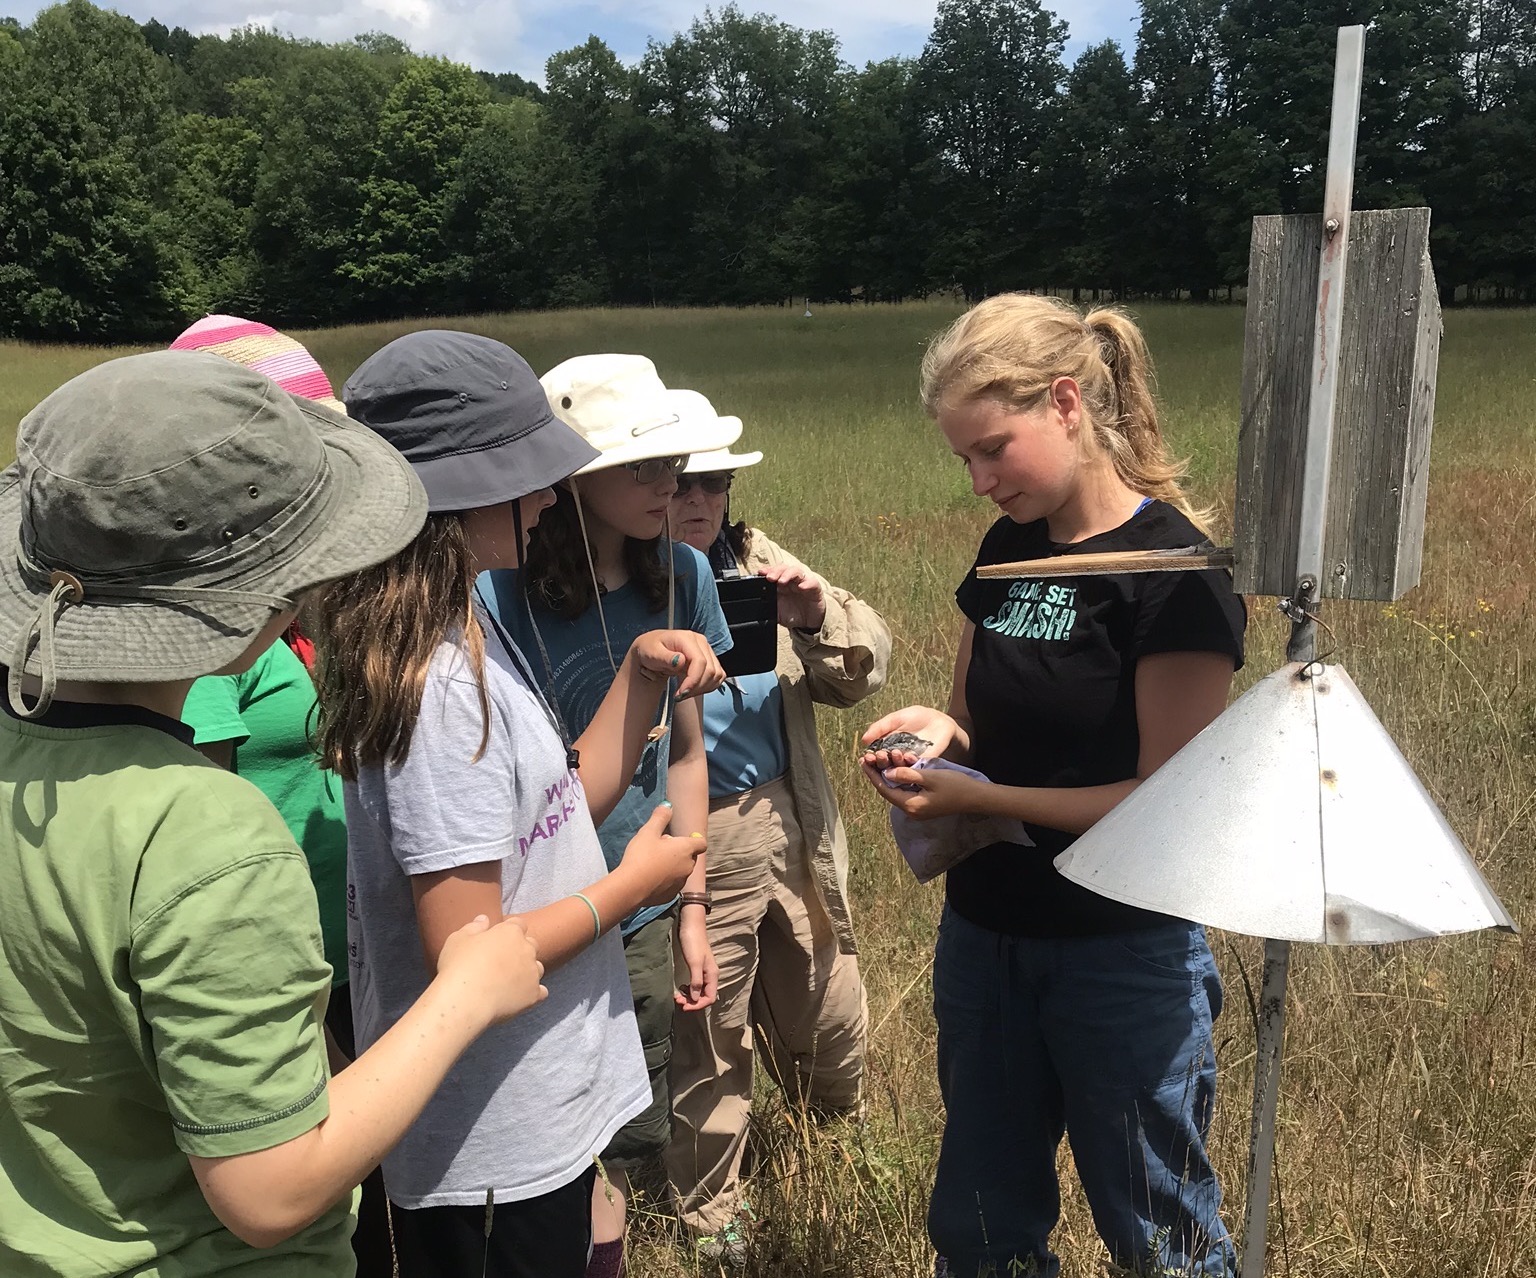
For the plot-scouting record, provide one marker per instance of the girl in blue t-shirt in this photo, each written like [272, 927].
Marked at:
[1059, 1010]
[601, 569]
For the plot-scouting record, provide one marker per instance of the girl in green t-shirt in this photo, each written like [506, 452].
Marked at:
[165, 1100]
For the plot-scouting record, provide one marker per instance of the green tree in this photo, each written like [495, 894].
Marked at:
[87, 243]
[173, 48]
[1500, 52]
[1279, 57]
[380, 44]
[311, 185]
[215, 66]
[585, 86]
[1482, 182]
[400, 259]
[1274, 85]
[174, 43]
[1093, 155]
[506, 85]
[217, 162]
[1179, 68]
[589, 118]
[862, 223]
[740, 107]
[519, 216]
[989, 83]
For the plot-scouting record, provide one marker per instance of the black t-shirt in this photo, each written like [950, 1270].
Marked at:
[1052, 696]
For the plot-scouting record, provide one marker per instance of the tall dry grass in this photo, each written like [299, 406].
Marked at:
[1407, 1141]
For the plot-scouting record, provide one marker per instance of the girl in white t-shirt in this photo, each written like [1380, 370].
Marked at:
[466, 796]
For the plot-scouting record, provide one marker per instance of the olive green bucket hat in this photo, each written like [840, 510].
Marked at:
[163, 507]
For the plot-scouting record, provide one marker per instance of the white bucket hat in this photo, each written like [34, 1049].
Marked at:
[619, 405]
[719, 459]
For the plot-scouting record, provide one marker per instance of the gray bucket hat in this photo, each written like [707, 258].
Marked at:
[163, 506]
[468, 414]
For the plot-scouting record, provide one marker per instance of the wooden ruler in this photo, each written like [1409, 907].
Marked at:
[1179, 559]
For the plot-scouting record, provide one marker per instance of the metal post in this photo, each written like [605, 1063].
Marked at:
[1266, 1097]
[1337, 198]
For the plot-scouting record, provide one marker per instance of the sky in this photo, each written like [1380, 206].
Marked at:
[519, 35]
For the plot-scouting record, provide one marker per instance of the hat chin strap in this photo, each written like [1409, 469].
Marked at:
[64, 589]
[664, 725]
[597, 588]
[40, 629]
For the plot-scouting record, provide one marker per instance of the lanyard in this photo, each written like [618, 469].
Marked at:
[551, 710]
[727, 564]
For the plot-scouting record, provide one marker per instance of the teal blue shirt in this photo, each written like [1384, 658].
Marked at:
[581, 670]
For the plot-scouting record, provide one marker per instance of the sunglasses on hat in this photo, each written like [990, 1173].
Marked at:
[714, 483]
[652, 468]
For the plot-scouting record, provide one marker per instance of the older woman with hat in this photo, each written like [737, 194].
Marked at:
[601, 570]
[165, 1105]
[778, 865]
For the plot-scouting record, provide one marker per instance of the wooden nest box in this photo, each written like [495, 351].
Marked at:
[1388, 355]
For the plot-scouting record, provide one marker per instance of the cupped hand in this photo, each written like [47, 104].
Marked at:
[682, 655]
[931, 725]
[801, 603]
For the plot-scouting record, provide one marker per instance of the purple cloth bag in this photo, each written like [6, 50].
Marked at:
[935, 846]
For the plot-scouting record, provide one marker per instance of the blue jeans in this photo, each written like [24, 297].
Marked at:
[1105, 1038]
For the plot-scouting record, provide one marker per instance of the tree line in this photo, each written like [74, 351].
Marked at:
[148, 176]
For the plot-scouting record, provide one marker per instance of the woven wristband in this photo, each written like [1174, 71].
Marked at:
[597, 922]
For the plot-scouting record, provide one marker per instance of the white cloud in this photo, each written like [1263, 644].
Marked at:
[417, 12]
[867, 28]
[519, 35]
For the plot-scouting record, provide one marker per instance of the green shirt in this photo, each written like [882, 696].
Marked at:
[268, 714]
[161, 994]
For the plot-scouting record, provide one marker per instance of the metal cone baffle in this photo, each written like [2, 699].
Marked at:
[1293, 816]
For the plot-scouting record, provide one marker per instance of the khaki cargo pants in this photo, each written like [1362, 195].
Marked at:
[782, 976]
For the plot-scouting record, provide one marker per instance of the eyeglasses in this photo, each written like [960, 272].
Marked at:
[652, 468]
[715, 483]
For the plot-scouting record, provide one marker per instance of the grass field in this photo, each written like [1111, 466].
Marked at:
[1407, 1141]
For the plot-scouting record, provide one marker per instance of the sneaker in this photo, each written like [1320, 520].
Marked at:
[728, 1246]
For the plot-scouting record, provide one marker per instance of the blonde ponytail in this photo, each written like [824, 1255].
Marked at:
[1010, 348]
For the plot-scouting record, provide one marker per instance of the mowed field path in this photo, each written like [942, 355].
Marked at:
[1408, 1116]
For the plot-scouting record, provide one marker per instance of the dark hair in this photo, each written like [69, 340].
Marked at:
[559, 576]
[375, 635]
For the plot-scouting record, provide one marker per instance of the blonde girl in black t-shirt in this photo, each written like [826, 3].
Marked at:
[1060, 1011]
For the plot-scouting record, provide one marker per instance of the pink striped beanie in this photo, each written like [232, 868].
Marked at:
[264, 349]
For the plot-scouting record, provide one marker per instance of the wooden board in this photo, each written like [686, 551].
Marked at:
[1388, 359]
[1112, 562]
